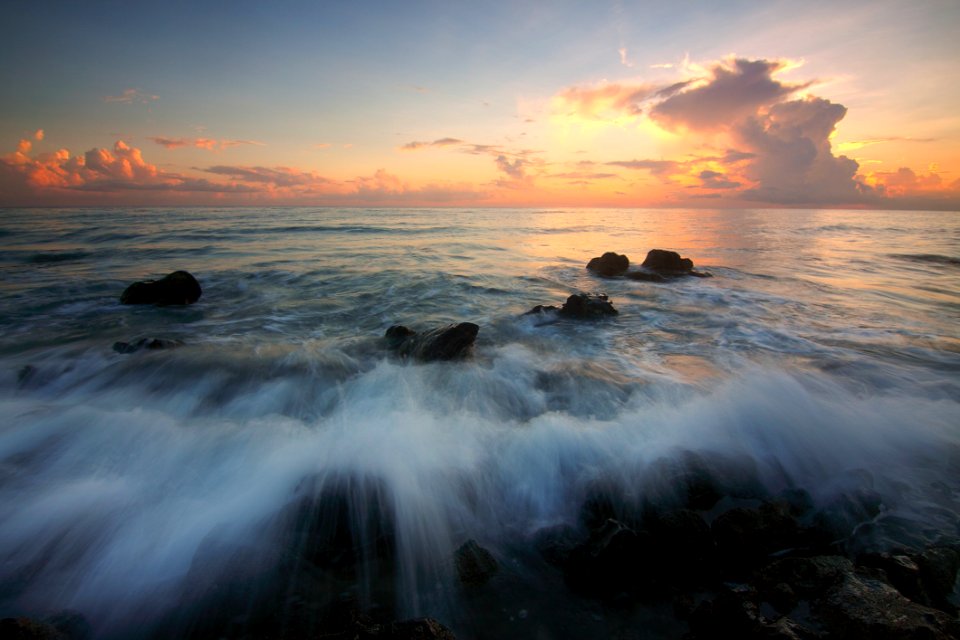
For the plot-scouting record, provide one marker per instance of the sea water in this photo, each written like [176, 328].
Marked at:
[823, 354]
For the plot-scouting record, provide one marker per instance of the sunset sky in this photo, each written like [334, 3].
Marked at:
[700, 104]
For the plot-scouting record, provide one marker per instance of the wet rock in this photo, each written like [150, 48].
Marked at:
[731, 613]
[28, 629]
[443, 343]
[669, 261]
[863, 606]
[645, 276]
[901, 571]
[341, 523]
[610, 563]
[475, 565]
[807, 578]
[580, 306]
[416, 629]
[685, 551]
[609, 264]
[745, 536]
[63, 625]
[661, 264]
[149, 344]
[556, 543]
[179, 287]
[938, 575]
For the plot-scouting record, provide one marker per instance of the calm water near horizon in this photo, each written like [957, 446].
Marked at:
[823, 354]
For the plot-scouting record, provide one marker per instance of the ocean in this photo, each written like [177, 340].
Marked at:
[153, 490]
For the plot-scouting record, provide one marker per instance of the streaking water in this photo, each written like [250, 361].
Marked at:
[824, 354]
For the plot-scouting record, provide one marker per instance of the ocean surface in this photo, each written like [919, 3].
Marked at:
[823, 354]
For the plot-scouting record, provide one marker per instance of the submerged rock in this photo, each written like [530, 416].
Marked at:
[582, 306]
[179, 287]
[443, 343]
[150, 344]
[475, 565]
[609, 264]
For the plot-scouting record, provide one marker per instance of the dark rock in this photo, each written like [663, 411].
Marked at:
[839, 519]
[745, 536]
[660, 265]
[668, 261]
[645, 276]
[609, 264]
[29, 629]
[730, 614]
[180, 287]
[611, 562]
[555, 544]
[417, 629]
[901, 571]
[581, 306]
[342, 523]
[475, 565]
[443, 343]
[150, 344]
[938, 574]
[807, 578]
[587, 305]
[862, 606]
[685, 551]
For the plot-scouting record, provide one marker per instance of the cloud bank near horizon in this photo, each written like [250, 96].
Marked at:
[751, 138]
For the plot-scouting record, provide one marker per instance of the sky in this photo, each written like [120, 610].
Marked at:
[522, 103]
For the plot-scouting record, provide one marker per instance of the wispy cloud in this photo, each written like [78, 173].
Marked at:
[275, 176]
[441, 142]
[209, 144]
[132, 96]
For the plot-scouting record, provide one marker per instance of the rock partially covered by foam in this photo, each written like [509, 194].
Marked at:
[609, 264]
[581, 306]
[449, 342]
[475, 565]
[179, 287]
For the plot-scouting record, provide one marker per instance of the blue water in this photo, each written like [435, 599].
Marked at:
[823, 354]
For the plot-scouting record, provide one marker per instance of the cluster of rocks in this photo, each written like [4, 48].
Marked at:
[659, 266]
[776, 570]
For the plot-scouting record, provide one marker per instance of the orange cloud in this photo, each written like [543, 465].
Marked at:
[442, 142]
[38, 134]
[201, 143]
[604, 101]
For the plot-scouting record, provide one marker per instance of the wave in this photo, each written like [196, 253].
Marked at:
[121, 490]
[927, 258]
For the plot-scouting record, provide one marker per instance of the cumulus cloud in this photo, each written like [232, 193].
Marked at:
[38, 134]
[735, 89]
[906, 182]
[122, 175]
[132, 96]
[779, 142]
[60, 177]
[793, 161]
